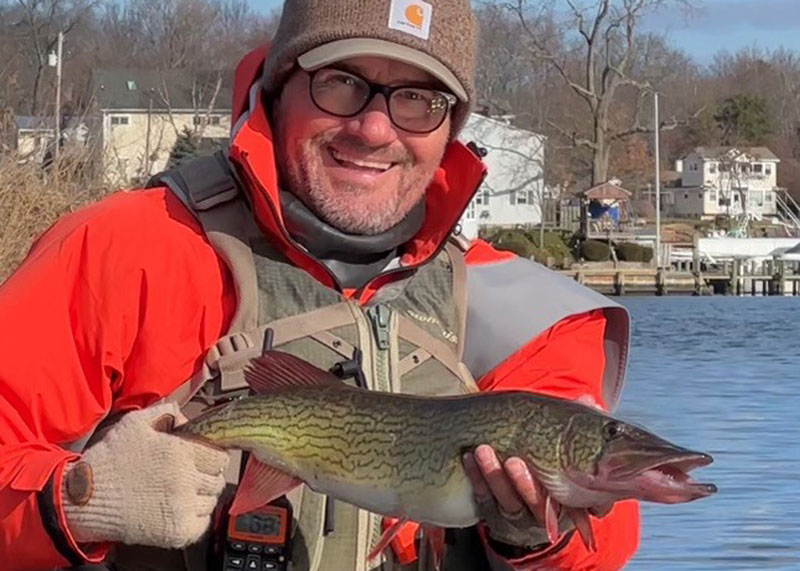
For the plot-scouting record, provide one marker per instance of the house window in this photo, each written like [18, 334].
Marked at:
[686, 196]
[712, 168]
[522, 197]
[769, 196]
[693, 166]
[767, 169]
[723, 168]
[212, 120]
[756, 198]
[482, 198]
[120, 120]
[470, 214]
[758, 168]
[712, 195]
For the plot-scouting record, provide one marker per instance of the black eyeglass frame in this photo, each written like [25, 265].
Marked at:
[387, 91]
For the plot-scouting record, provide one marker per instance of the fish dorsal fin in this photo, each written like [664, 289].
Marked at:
[277, 369]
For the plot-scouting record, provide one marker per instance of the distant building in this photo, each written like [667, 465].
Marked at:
[35, 135]
[725, 181]
[608, 207]
[139, 115]
[513, 190]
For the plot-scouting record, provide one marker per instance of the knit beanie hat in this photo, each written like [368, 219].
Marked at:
[438, 36]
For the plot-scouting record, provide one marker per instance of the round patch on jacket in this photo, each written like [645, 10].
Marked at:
[80, 483]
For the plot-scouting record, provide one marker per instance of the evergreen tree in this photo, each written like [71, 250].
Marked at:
[186, 147]
[743, 120]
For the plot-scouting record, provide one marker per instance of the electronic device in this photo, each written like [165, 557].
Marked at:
[259, 540]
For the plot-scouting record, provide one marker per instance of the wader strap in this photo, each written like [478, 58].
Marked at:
[208, 187]
[228, 358]
[440, 350]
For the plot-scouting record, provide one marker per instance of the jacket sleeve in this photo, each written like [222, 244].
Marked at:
[567, 361]
[89, 329]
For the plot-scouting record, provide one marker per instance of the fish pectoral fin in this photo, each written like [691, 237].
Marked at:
[580, 517]
[386, 538]
[551, 518]
[276, 369]
[260, 485]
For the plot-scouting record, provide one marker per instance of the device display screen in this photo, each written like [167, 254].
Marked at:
[259, 524]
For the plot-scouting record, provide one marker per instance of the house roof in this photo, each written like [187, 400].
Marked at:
[134, 89]
[761, 153]
[30, 123]
[607, 190]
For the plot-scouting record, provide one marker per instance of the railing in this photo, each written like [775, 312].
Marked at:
[787, 209]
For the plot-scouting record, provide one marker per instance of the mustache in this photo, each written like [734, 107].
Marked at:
[349, 145]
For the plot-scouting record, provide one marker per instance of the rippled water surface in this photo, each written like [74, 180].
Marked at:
[721, 375]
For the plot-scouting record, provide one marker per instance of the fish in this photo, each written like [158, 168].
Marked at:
[400, 455]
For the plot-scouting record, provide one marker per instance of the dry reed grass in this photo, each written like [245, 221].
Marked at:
[32, 199]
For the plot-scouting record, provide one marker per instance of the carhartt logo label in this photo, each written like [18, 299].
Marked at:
[412, 17]
[415, 15]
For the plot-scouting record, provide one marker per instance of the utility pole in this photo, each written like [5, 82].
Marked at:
[147, 140]
[58, 96]
[656, 129]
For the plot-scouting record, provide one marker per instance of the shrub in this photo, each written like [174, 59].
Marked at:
[514, 241]
[630, 252]
[595, 251]
[32, 199]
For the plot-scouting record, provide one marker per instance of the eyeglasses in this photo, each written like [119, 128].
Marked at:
[414, 109]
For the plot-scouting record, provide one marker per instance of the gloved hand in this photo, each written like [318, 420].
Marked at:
[141, 485]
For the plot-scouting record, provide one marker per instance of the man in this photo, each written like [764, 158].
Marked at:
[328, 222]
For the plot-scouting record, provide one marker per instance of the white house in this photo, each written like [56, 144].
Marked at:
[514, 186]
[725, 181]
[140, 115]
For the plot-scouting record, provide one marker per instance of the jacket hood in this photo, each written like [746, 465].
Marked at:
[252, 154]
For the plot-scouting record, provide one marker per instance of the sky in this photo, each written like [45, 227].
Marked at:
[714, 25]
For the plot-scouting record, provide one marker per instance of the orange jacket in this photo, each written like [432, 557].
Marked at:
[116, 305]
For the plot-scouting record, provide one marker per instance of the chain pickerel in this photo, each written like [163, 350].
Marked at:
[401, 455]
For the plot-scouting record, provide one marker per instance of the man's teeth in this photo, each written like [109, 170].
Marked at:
[361, 163]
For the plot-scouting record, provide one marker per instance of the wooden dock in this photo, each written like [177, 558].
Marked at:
[774, 278]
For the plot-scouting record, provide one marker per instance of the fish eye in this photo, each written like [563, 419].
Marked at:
[612, 430]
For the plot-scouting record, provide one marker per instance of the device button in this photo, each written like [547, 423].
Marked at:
[238, 546]
[236, 562]
[253, 563]
[253, 548]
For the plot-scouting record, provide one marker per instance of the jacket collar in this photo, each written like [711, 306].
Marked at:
[252, 153]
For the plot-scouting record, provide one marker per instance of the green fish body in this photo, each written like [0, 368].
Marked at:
[401, 455]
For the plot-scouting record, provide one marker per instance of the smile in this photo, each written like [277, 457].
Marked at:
[361, 164]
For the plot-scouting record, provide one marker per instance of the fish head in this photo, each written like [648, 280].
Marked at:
[607, 459]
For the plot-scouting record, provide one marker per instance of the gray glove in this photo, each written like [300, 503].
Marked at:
[140, 485]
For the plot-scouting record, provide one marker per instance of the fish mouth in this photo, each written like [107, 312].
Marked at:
[667, 480]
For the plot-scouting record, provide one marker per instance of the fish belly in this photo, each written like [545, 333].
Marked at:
[451, 506]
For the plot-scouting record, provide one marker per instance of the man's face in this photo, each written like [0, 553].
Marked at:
[360, 174]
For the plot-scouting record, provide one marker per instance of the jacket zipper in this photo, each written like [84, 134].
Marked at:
[380, 317]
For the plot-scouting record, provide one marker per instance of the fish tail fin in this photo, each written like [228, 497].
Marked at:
[259, 486]
[277, 369]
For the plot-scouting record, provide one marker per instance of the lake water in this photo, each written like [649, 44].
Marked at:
[721, 375]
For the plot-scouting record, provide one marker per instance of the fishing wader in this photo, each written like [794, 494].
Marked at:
[410, 338]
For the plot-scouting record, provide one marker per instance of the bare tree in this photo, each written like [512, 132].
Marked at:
[608, 48]
[39, 25]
